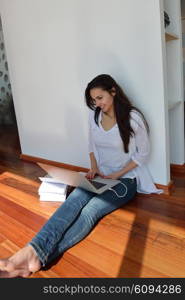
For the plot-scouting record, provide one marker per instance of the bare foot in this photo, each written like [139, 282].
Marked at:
[22, 263]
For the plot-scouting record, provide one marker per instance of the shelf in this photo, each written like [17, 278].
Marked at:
[173, 105]
[170, 37]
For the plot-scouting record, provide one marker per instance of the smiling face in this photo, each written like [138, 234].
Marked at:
[103, 99]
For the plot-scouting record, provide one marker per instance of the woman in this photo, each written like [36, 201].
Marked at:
[118, 149]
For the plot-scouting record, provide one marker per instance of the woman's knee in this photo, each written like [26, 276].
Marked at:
[90, 213]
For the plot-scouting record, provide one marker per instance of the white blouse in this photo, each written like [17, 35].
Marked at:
[107, 147]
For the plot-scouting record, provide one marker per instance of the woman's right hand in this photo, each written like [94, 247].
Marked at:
[92, 172]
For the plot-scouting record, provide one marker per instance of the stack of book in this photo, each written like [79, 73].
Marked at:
[52, 190]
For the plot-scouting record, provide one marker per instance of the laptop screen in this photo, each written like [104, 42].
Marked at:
[96, 184]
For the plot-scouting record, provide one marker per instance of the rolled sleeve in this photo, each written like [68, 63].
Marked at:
[142, 144]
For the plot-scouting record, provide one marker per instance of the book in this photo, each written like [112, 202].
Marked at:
[52, 197]
[51, 187]
[48, 178]
[52, 190]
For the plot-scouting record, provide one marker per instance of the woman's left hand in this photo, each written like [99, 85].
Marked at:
[114, 175]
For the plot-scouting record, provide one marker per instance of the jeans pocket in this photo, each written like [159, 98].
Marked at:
[133, 180]
[129, 180]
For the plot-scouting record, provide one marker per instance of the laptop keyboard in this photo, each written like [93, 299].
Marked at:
[96, 184]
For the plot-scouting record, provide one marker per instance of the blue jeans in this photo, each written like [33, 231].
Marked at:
[76, 217]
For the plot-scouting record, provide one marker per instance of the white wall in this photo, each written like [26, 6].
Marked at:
[55, 47]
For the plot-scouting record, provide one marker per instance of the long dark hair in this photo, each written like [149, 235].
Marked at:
[122, 106]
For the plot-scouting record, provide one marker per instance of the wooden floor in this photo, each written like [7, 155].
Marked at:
[146, 238]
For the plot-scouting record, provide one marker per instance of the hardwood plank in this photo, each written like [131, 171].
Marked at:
[130, 270]
[8, 176]
[11, 247]
[72, 266]
[158, 258]
[119, 239]
[69, 267]
[15, 231]
[123, 219]
[120, 221]
[29, 202]
[2, 238]
[97, 256]
[5, 252]
[143, 243]
[44, 274]
[28, 187]
[165, 224]
[27, 217]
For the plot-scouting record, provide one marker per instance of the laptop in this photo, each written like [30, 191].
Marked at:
[97, 185]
